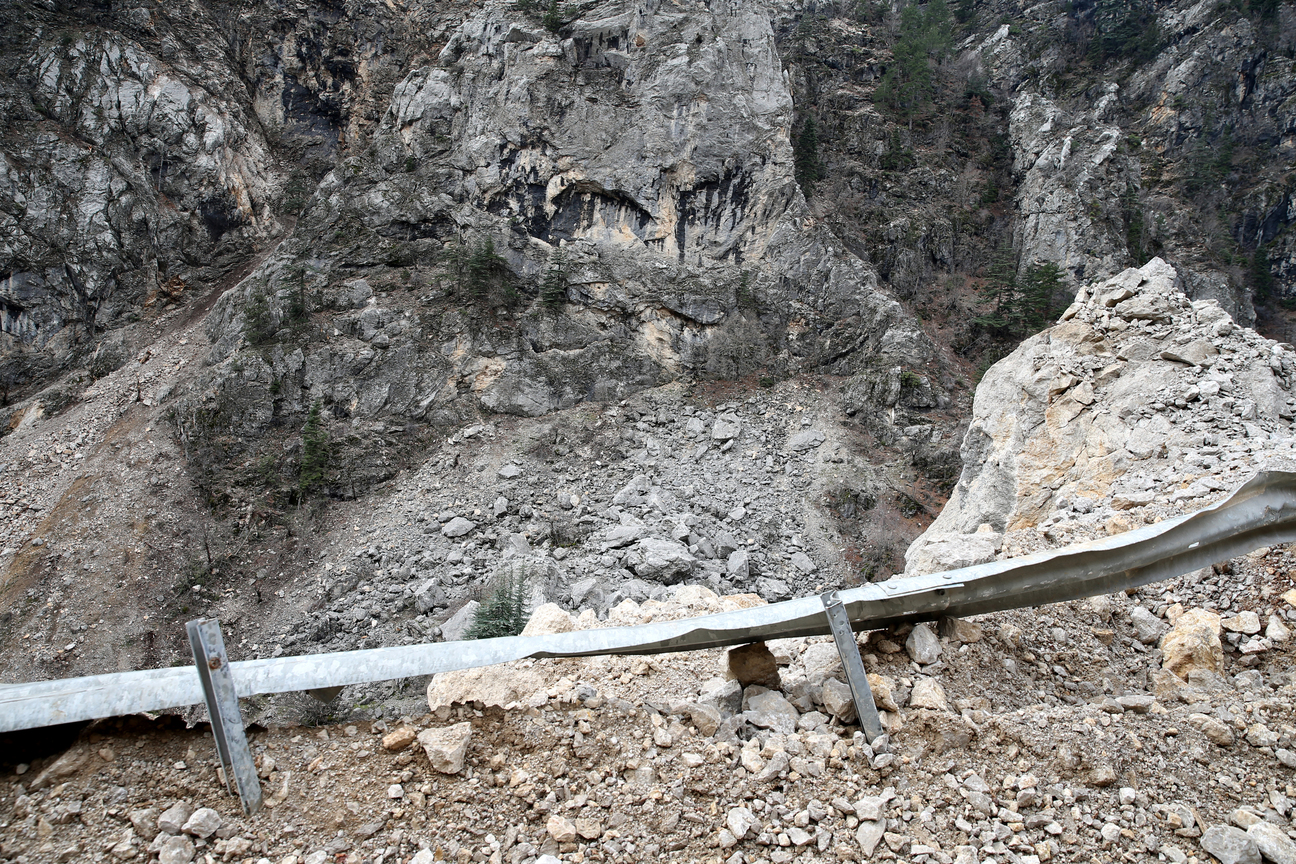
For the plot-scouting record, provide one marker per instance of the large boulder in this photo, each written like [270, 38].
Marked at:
[662, 561]
[491, 686]
[1074, 422]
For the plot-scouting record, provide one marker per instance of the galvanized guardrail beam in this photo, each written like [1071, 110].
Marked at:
[1259, 513]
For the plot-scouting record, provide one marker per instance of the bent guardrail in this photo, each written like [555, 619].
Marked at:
[1261, 512]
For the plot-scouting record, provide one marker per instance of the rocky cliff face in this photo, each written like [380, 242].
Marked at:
[637, 164]
[1139, 403]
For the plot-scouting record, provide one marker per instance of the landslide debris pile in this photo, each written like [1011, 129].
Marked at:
[1153, 724]
[605, 505]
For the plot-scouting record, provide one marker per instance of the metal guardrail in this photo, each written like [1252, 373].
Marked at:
[1261, 512]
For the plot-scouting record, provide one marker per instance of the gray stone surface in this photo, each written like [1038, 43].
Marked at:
[1273, 843]
[1230, 845]
[455, 628]
[922, 645]
[458, 527]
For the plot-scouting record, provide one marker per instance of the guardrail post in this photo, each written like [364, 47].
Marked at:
[223, 708]
[856, 677]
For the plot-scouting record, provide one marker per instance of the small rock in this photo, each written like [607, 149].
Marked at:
[868, 835]
[589, 829]
[803, 562]
[446, 747]
[1246, 622]
[960, 630]
[806, 439]
[399, 739]
[145, 823]
[923, 646]
[724, 696]
[456, 626]
[64, 766]
[928, 693]
[1147, 626]
[838, 701]
[174, 817]
[509, 471]
[706, 719]
[457, 527]
[1230, 845]
[561, 829]
[1277, 631]
[1102, 776]
[1138, 704]
[176, 850]
[742, 823]
[1193, 644]
[754, 664]
[664, 561]
[202, 823]
[1215, 730]
[769, 709]
[726, 427]
[395, 791]
[738, 566]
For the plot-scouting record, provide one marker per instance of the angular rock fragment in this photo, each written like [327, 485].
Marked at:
[447, 747]
[754, 664]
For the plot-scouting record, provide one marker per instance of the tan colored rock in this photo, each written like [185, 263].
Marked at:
[1166, 685]
[960, 630]
[589, 829]
[1193, 643]
[399, 739]
[883, 689]
[705, 718]
[493, 686]
[1244, 622]
[446, 747]
[754, 664]
[560, 829]
[62, 767]
[1214, 729]
[928, 693]
[549, 618]
[1199, 352]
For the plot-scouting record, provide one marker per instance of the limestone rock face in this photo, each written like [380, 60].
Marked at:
[1088, 420]
[649, 148]
[170, 182]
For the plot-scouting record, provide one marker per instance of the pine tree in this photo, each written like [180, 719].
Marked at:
[1262, 280]
[806, 163]
[553, 290]
[487, 277]
[504, 611]
[1036, 308]
[926, 36]
[1016, 308]
[315, 451]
